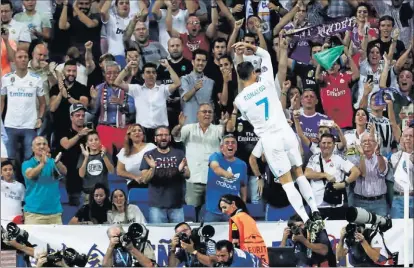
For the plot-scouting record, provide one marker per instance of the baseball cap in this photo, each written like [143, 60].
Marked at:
[76, 107]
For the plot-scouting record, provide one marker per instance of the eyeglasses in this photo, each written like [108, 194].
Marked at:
[162, 135]
[194, 22]
[206, 111]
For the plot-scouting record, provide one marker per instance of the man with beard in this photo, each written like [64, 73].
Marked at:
[182, 67]
[165, 170]
[151, 51]
[62, 95]
[19, 32]
[73, 136]
[82, 25]
[195, 39]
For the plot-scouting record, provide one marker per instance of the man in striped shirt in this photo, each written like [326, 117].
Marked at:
[370, 188]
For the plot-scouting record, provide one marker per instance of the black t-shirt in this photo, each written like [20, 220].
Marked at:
[301, 252]
[166, 188]
[70, 160]
[95, 77]
[385, 47]
[80, 34]
[100, 214]
[96, 172]
[61, 117]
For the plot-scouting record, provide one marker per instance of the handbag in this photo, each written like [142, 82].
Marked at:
[331, 195]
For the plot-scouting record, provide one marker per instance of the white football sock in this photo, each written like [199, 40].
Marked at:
[295, 200]
[307, 192]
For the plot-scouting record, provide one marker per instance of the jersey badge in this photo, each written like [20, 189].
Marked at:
[342, 81]
[239, 127]
[310, 73]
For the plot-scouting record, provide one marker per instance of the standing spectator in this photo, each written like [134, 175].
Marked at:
[42, 199]
[12, 194]
[150, 99]
[112, 106]
[68, 91]
[362, 28]
[406, 143]
[196, 87]
[135, 75]
[370, 188]
[228, 92]
[226, 175]
[19, 32]
[195, 38]
[82, 24]
[4, 138]
[72, 137]
[165, 170]
[122, 212]
[22, 88]
[327, 167]
[130, 157]
[38, 22]
[182, 67]
[95, 212]
[8, 50]
[94, 163]
[200, 140]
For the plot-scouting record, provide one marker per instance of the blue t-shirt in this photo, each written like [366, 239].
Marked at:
[42, 193]
[243, 258]
[218, 186]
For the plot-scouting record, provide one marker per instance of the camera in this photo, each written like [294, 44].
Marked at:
[361, 216]
[13, 232]
[70, 256]
[199, 236]
[294, 230]
[137, 235]
[183, 237]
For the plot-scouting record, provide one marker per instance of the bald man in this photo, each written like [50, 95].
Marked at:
[42, 187]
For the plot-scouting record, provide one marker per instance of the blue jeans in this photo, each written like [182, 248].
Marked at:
[14, 136]
[378, 207]
[213, 217]
[397, 210]
[252, 191]
[166, 215]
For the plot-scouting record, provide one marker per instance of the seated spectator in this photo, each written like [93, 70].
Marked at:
[370, 187]
[12, 194]
[112, 106]
[122, 212]
[130, 157]
[37, 21]
[94, 163]
[42, 199]
[226, 175]
[166, 182]
[95, 212]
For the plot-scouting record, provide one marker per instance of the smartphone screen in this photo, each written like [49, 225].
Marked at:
[370, 77]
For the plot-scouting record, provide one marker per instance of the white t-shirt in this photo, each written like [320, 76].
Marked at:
[134, 216]
[259, 103]
[21, 94]
[12, 196]
[335, 166]
[115, 28]
[18, 32]
[81, 73]
[133, 162]
[179, 24]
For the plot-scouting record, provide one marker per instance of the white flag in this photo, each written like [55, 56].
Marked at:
[404, 172]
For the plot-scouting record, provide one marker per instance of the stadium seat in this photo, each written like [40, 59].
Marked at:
[68, 213]
[118, 185]
[256, 211]
[144, 207]
[115, 178]
[138, 195]
[189, 213]
[279, 214]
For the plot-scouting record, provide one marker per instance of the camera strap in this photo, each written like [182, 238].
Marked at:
[122, 257]
[321, 167]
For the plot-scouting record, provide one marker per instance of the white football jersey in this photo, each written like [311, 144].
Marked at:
[259, 103]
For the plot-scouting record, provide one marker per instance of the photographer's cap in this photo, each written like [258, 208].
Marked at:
[76, 107]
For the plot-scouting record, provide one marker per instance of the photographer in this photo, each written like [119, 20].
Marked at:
[192, 254]
[229, 256]
[365, 246]
[121, 253]
[319, 253]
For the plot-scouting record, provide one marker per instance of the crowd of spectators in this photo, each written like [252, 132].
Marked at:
[144, 90]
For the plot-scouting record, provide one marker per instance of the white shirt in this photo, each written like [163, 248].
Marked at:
[18, 32]
[335, 166]
[260, 104]
[134, 216]
[179, 24]
[21, 94]
[115, 28]
[150, 104]
[133, 162]
[81, 73]
[198, 148]
[12, 195]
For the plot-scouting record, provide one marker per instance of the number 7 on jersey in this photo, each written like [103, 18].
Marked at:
[266, 107]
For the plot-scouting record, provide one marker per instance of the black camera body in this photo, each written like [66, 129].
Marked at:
[183, 237]
[137, 235]
[13, 232]
[351, 229]
[70, 256]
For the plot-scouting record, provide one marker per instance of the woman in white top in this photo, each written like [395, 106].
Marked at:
[122, 212]
[130, 157]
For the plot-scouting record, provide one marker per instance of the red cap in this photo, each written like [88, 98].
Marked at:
[18, 219]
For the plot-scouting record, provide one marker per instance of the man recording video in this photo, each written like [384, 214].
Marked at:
[186, 248]
[319, 253]
[123, 248]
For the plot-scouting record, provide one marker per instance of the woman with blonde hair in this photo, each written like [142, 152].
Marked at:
[131, 155]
